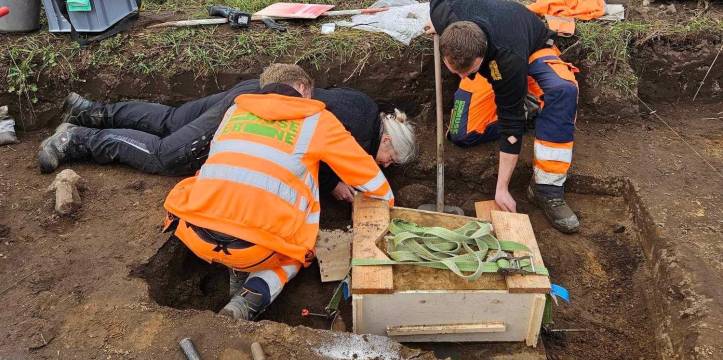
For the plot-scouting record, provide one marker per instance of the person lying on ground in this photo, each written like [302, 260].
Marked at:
[160, 139]
[254, 204]
[505, 43]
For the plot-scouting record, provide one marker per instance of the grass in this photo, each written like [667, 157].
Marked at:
[28, 60]
[607, 46]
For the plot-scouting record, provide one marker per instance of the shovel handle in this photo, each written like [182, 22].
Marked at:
[440, 125]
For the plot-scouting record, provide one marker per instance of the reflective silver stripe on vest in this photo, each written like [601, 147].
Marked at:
[543, 152]
[307, 132]
[309, 181]
[546, 178]
[260, 151]
[313, 218]
[374, 183]
[250, 178]
[388, 196]
[303, 204]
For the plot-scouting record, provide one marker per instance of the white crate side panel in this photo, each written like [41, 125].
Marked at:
[373, 313]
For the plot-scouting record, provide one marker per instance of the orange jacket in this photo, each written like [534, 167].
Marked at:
[260, 181]
[579, 9]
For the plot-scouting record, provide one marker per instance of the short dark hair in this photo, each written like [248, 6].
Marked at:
[461, 43]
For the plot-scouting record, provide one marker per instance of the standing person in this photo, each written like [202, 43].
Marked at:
[505, 42]
[254, 204]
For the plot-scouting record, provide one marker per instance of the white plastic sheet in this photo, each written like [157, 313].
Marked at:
[404, 20]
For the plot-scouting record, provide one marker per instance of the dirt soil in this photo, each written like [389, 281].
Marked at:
[644, 271]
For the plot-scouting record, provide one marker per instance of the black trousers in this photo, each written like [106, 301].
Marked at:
[160, 139]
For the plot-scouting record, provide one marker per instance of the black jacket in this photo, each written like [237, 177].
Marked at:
[360, 116]
[513, 34]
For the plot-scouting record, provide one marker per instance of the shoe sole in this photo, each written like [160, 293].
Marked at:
[68, 116]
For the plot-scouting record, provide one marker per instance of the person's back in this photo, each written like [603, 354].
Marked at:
[508, 24]
[254, 205]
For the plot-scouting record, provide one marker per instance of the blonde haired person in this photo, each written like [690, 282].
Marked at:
[254, 204]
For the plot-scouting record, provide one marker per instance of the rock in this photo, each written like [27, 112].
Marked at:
[619, 229]
[67, 197]
[670, 9]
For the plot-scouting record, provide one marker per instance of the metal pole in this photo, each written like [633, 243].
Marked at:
[440, 125]
[188, 349]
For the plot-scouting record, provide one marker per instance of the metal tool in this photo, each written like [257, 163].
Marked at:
[439, 206]
[306, 313]
[332, 308]
[188, 349]
[235, 17]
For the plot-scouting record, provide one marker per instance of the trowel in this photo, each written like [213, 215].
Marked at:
[439, 206]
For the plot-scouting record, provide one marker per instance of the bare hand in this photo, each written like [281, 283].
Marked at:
[343, 192]
[505, 201]
[429, 28]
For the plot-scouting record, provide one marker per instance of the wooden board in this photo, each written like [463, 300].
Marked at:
[333, 252]
[483, 209]
[294, 11]
[517, 227]
[375, 313]
[538, 308]
[430, 218]
[421, 278]
[483, 327]
[371, 222]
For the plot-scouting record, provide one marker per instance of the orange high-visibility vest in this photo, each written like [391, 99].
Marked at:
[260, 182]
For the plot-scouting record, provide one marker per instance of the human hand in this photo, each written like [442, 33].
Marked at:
[504, 199]
[429, 28]
[343, 192]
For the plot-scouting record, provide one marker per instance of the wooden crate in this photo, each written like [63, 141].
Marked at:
[413, 304]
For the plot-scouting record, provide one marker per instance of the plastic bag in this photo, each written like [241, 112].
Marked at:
[7, 128]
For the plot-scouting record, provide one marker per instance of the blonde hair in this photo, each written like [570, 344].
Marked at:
[288, 74]
[401, 132]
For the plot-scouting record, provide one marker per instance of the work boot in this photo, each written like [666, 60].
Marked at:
[556, 211]
[62, 146]
[236, 280]
[83, 112]
[246, 305]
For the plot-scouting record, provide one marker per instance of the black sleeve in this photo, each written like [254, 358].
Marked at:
[509, 82]
[441, 15]
[327, 178]
[217, 111]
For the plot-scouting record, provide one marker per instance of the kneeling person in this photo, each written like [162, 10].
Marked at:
[254, 204]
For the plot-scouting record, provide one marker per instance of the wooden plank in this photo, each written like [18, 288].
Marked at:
[375, 313]
[538, 308]
[357, 311]
[485, 327]
[517, 227]
[483, 209]
[333, 252]
[430, 218]
[421, 278]
[371, 222]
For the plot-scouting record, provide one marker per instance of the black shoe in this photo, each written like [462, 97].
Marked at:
[60, 147]
[82, 112]
[246, 305]
[556, 211]
[236, 281]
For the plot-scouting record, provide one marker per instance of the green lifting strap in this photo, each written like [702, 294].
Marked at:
[468, 251]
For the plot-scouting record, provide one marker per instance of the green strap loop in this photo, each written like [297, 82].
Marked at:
[468, 251]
